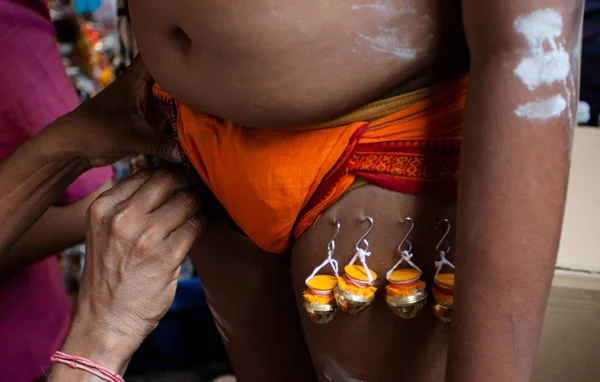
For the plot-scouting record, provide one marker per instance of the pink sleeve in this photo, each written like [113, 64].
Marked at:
[85, 185]
[34, 87]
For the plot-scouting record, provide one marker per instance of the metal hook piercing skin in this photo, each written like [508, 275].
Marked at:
[405, 238]
[329, 259]
[331, 245]
[449, 226]
[363, 237]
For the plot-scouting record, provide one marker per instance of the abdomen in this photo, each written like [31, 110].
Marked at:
[279, 64]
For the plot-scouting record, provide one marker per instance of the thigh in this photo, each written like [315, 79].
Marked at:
[250, 295]
[375, 345]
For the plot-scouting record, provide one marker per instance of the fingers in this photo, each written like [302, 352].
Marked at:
[137, 69]
[151, 213]
[185, 236]
[153, 143]
[175, 212]
[157, 190]
[161, 145]
[123, 190]
[135, 76]
[110, 207]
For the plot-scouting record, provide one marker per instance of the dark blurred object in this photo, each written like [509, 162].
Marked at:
[122, 170]
[89, 44]
[66, 26]
[590, 59]
[126, 39]
[71, 262]
[139, 162]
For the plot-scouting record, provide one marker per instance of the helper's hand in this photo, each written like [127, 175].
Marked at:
[114, 123]
[138, 234]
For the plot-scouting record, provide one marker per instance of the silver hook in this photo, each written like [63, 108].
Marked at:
[363, 237]
[439, 244]
[331, 245]
[405, 238]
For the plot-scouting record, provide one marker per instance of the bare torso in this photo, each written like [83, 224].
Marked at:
[283, 63]
[275, 64]
[280, 64]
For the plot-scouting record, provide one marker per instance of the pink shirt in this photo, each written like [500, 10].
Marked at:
[34, 91]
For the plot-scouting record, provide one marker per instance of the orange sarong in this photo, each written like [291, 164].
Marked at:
[275, 184]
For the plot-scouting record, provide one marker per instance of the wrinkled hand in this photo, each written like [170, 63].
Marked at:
[113, 124]
[138, 234]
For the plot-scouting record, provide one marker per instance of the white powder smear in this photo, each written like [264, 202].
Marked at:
[390, 37]
[542, 109]
[538, 27]
[389, 43]
[545, 63]
[544, 68]
[385, 8]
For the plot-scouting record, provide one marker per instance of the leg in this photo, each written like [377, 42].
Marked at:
[375, 345]
[250, 295]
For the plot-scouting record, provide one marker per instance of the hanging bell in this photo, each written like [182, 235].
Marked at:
[443, 283]
[406, 294]
[443, 296]
[319, 301]
[354, 292]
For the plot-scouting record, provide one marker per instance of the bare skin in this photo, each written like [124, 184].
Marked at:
[283, 64]
[249, 62]
[252, 301]
[47, 237]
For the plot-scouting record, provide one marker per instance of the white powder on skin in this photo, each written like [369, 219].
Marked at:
[388, 39]
[426, 20]
[544, 68]
[389, 43]
[388, 29]
[542, 109]
[385, 8]
[538, 27]
[546, 62]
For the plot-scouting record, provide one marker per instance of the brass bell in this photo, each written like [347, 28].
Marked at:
[319, 301]
[354, 292]
[443, 296]
[443, 283]
[406, 294]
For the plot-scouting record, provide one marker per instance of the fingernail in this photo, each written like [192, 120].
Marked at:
[176, 155]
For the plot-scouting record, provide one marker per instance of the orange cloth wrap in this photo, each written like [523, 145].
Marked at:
[366, 291]
[442, 294]
[275, 183]
[318, 299]
[405, 290]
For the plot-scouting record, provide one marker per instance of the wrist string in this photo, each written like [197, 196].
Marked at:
[86, 365]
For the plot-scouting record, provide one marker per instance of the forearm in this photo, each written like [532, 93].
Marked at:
[33, 177]
[93, 343]
[58, 228]
[512, 191]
